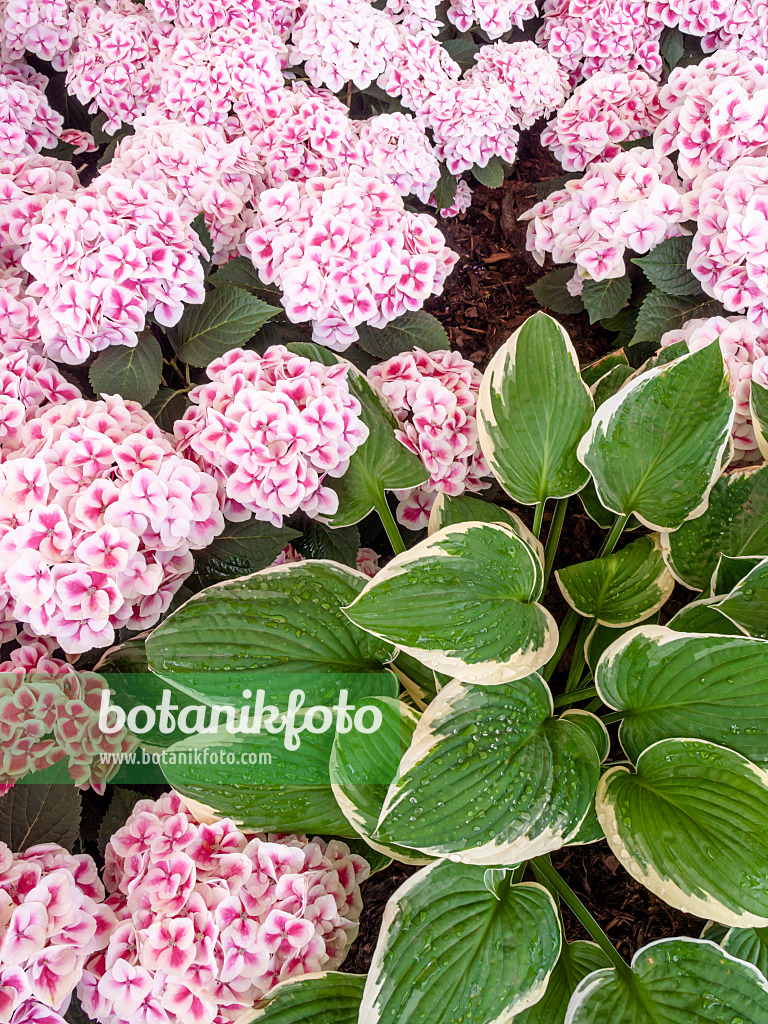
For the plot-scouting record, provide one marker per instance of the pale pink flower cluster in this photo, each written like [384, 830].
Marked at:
[609, 108]
[269, 429]
[367, 560]
[715, 112]
[394, 147]
[631, 202]
[745, 349]
[730, 249]
[737, 25]
[417, 69]
[510, 87]
[103, 257]
[461, 201]
[52, 919]
[50, 713]
[98, 518]
[345, 251]
[47, 28]
[28, 123]
[27, 383]
[209, 919]
[494, 17]
[602, 35]
[433, 395]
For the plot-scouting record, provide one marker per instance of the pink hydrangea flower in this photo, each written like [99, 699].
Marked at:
[28, 383]
[434, 397]
[367, 561]
[745, 350]
[28, 123]
[209, 919]
[269, 429]
[48, 30]
[98, 519]
[740, 26]
[495, 17]
[52, 919]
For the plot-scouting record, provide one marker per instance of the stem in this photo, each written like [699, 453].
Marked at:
[612, 539]
[594, 705]
[565, 700]
[385, 514]
[553, 538]
[546, 874]
[538, 518]
[567, 627]
[578, 660]
[616, 716]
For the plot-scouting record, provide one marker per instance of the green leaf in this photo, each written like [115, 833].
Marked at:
[447, 511]
[134, 373]
[597, 512]
[673, 981]
[691, 825]
[611, 384]
[409, 331]
[328, 998]
[492, 175]
[240, 549]
[592, 373]
[463, 51]
[619, 589]
[533, 410]
[735, 523]
[658, 446]
[380, 464]
[120, 809]
[604, 299]
[168, 406]
[201, 230]
[576, 961]
[672, 47]
[229, 317]
[671, 684]
[550, 291]
[34, 814]
[600, 638]
[702, 617]
[666, 267]
[758, 408]
[318, 541]
[445, 190]
[750, 944]
[449, 950]
[361, 772]
[747, 603]
[464, 602]
[665, 355]
[661, 312]
[730, 571]
[462, 794]
[241, 273]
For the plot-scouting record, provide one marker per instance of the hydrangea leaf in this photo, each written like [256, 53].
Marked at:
[622, 588]
[380, 464]
[551, 292]
[327, 998]
[134, 373]
[464, 793]
[242, 548]
[576, 961]
[532, 411]
[735, 523]
[691, 825]
[666, 267]
[229, 317]
[418, 329]
[661, 312]
[703, 617]
[747, 603]
[451, 950]
[30, 815]
[604, 299]
[361, 772]
[657, 447]
[464, 602]
[673, 981]
[676, 684]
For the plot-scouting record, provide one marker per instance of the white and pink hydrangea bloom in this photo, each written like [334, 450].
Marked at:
[269, 429]
[98, 520]
[209, 919]
[28, 383]
[52, 920]
[740, 26]
[494, 17]
[433, 395]
[28, 123]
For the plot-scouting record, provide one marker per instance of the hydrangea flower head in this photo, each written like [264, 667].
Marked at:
[740, 26]
[28, 123]
[28, 382]
[495, 17]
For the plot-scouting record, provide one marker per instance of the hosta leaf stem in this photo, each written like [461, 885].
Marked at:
[553, 538]
[385, 514]
[538, 518]
[563, 700]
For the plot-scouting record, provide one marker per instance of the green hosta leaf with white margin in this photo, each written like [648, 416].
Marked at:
[532, 411]
[464, 602]
[750, 944]
[465, 509]
[611, 384]
[622, 588]
[703, 617]
[600, 638]
[691, 825]
[735, 523]
[592, 372]
[449, 950]
[676, 684]
[597, 512]
[327, 998]
[591, 726]
[673, 981]
[491, 777]
[658, 446]
[576, 961]
[380, 464]
[730, 571]
[747, 603]
[361, 772]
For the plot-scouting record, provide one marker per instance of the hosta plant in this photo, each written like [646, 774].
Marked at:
[505, 735]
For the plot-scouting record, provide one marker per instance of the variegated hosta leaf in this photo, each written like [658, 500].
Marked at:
[676, 684]
[747, 603]
[491, 777]
[576, 961]
[448, 511]
[361, 771]
[730, 571]
[532, 412]
[449, 950]
[329, 998]
[593, 727]
[750, 944]
[735, 523]
[619, 589]
[658, 446]
[673, 981]
[703, 617]
[464, 602]
[600, 638]
[691, 824]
